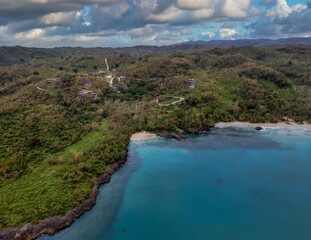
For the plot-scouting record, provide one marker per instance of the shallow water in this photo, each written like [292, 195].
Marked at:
[231, 183]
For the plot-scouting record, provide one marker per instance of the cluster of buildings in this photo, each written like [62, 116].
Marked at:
[191, 83]
[86, 80]
[83, 93]
[100, 72]
[116, 89]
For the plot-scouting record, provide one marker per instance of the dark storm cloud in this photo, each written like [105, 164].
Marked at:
[19, 10]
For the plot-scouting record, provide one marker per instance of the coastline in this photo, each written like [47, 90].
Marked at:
[54, 224]
[288, 125]
[140, 136]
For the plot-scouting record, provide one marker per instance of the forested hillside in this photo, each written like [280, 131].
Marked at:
[58, 136]
[19, 55]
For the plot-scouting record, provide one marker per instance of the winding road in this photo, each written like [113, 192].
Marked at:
[111, 82]
[107, 65]
[173, 103]
[113, 76]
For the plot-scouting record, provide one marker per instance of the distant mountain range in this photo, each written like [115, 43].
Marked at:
[247, 42]
[17, 54]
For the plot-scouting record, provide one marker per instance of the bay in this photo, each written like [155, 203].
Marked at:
[230, 183]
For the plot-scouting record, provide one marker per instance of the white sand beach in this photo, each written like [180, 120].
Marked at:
[288, 125]
[142, 136]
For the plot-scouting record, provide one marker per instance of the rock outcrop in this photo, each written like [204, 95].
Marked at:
[198, 130]
[179, 137]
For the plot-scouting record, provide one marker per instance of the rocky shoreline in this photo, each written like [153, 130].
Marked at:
[178, 137]
[181, 137]
[54, 224]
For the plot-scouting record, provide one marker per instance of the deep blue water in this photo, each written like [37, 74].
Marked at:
[231, 183]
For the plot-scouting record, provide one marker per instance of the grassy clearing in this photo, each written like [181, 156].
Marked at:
[50, 188]
[89, 140]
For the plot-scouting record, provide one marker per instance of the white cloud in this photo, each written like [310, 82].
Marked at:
[203, 13]
[195, 4]
[253, 12]
[64, 19]
[169, 15]
[271, 13]
[236, 8]
[3, 29]
[299, 7]
[209, 34]
[115, 12]
[33, 34]
[282, 9]
[227, 32]
[146, 4]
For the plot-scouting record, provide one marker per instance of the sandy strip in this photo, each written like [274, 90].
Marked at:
[142, 136]
[290, 125]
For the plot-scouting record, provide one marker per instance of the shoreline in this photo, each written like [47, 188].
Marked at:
[142, 136]
[284, 125]
[54, 224]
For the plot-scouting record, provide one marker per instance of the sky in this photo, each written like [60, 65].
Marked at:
[121, 23]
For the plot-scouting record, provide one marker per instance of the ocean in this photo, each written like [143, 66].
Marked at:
[230, 183]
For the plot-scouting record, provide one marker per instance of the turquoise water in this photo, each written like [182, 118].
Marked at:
[231, 183]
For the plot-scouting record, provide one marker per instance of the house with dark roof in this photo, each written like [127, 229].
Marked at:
[191, 83]
[50, 81]
[81, 94]
[160, 82]
[86, 80]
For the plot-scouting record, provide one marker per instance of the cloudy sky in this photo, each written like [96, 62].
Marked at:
[118, 23]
